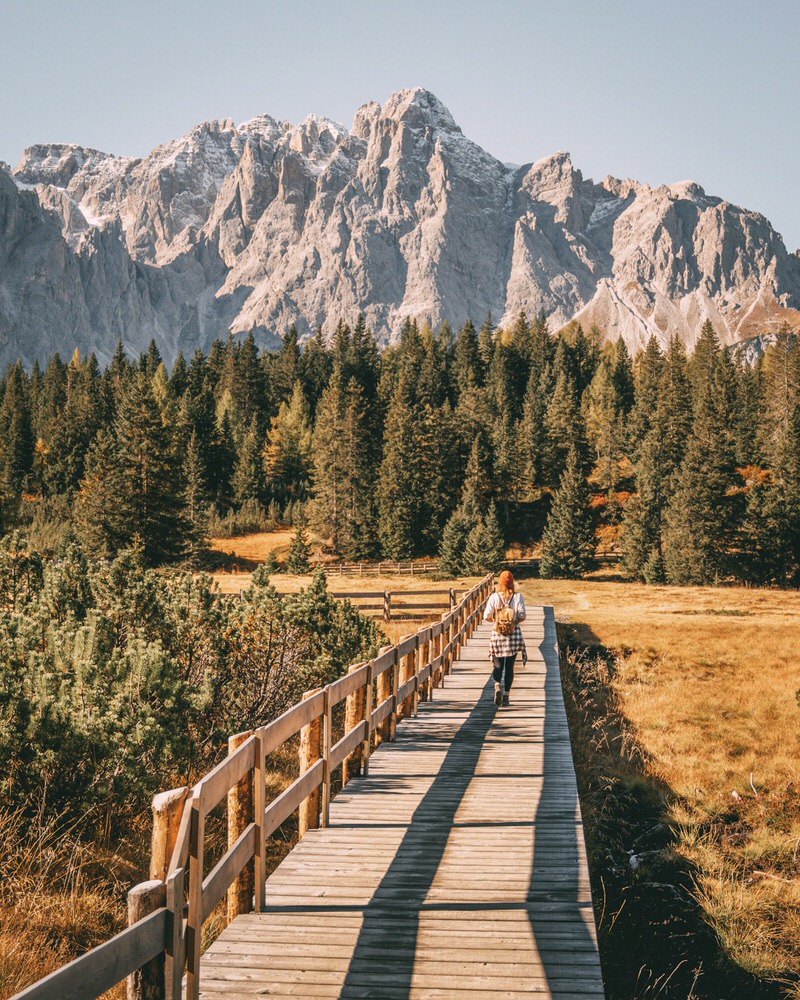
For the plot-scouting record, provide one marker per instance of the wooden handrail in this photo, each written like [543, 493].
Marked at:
[173, 931]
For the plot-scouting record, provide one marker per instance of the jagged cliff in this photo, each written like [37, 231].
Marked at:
[265, 224]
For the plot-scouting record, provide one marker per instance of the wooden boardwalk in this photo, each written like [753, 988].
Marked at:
[456, 869]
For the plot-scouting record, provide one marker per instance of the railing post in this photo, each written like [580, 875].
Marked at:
[240, 812]
[366, 746]
[405, 671]
[395, 681]
[387, 606]
[383, 687]
[452, 598]
[309, 753]
[259, 807]
[327, 724]
[417, 662]
[436, 649]
[353, 714]
[146, 983]
[424, 693]
[167, 812]
[194, 921]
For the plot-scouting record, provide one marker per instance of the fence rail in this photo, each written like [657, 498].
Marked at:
[160, 953]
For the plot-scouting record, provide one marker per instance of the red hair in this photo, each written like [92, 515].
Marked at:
[506, 581]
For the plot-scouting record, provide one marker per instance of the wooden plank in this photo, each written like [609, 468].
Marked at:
[105, 966]
[407, 643]
[347, 744]
[348, 684]
[215, 885]
[213, 788]
[281, 808]
[291, 722]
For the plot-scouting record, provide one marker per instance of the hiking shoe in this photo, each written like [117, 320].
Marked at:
[505, 699]
[498, 694]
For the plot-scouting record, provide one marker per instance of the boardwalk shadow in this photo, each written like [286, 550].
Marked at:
[386, 945]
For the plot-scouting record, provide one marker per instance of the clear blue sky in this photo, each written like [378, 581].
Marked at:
[657, 91]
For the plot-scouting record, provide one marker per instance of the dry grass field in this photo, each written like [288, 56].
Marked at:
[705, 680]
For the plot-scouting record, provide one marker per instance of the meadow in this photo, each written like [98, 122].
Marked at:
[685, 708]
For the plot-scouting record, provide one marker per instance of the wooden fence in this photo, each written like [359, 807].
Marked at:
[379, 568]
[398, 603]
[160, 952]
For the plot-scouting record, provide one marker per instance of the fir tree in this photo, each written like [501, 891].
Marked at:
[484, 548]
[248, 474]
[298, 561]
[568, 542]
[288, 453]
[196, 503]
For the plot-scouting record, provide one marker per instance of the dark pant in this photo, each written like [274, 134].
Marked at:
[504, 665]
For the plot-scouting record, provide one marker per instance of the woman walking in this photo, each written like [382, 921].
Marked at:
[505, 609]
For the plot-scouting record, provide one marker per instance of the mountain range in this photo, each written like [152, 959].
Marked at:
[266, 224]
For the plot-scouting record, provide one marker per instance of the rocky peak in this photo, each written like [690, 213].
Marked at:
[418, 108]
[55, 163]
[257, 226]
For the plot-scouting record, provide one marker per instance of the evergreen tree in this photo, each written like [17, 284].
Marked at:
[288, 453]
[568, 542]
[314, 369]
[298, 561]
[484, 548]
[248, 474]
[700, 519]
[196, 503]
[603, 410]
[150, 481]
[453, 543]
[16, 432]
[646, 395]
[399, 506]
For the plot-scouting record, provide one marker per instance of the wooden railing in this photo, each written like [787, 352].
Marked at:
[160, 952]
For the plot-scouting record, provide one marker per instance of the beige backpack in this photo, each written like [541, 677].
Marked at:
[505, 619]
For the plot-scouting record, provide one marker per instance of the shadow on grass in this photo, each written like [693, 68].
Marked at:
[654, 941]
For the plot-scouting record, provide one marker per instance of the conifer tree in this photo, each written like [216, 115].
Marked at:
[149, 477]
[399, 507]
[298, 560]
[196, 503]
[248, 474]
[314, 369]
[603, 410]
[453, 543]
[288, 453]
[564, 428]
[568, 542]
[16, 432]
[647, 388]
[700, 519]
[484, 548]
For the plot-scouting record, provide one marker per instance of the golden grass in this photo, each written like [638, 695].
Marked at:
[707, 678]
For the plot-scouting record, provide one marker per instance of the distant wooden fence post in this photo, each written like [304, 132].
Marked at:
[146, 983]
[387, 606]
[310, 752]
[240, 814]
